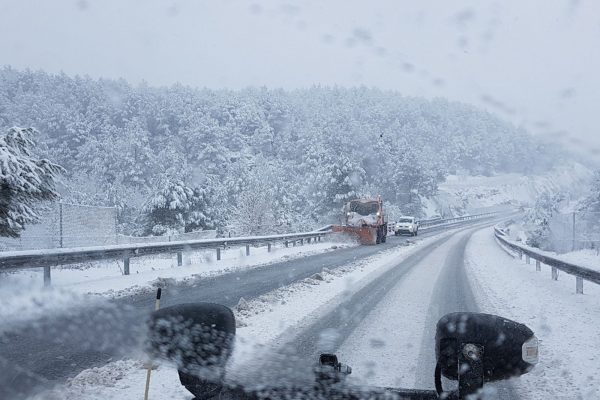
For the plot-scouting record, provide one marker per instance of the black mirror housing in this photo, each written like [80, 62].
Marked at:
[198, 338]
[509, 348]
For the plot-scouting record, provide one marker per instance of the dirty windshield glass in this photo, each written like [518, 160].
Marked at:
[364, 208]
[294, 199]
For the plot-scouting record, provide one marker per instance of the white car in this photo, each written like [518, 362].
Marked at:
[406, 225]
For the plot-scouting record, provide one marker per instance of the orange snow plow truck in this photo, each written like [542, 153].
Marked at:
[364, 219]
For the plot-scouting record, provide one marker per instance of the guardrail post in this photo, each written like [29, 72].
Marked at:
[554, 274]
[520, 255]
[60, 223]
[287, 244]
[126, 266]
[538, 265]
[218, 253]
[301, 242]
[319, 237]
[308, 240]
[293, 243]
[527, 259]
[47, 278]
[247, 249]
[179, 259]
[269, 247]
[579, 285]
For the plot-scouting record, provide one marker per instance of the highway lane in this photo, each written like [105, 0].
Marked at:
[386, 329]
[452, 293]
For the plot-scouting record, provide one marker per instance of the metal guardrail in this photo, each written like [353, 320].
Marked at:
[580, 273]
[48, 258]
[52, 257]
[431, 223]
[434, 222]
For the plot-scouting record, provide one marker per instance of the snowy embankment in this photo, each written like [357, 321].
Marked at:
[586, 258]
[566, 323]
[470, 194]
[261, 322]
[147, 273]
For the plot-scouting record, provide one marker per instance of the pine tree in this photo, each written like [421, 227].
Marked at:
[200, 213]
[166, 211]
[24, 181]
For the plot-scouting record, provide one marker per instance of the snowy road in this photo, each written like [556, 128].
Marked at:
[386, 330]
[378, 314]
[95, 332]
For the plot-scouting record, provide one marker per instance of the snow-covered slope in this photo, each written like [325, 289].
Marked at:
[471, 194]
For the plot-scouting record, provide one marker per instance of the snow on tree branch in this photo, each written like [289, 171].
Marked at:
[24, 181]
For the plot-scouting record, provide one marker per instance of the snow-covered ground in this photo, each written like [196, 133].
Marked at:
[474, 193]
[261, 322]
[566, 323]
[586, 258]
[146, 273]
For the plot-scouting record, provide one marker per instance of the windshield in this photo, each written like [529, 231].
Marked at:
[364, 208]
[340, 175]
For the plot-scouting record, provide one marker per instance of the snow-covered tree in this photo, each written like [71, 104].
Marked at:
[322, 144]
[166, 211]
[591, 203]
[256, 206]
[200, 214]
[25, 180]
[539, 216]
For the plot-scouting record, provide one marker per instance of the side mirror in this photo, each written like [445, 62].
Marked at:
[198, 338]
[474, 348]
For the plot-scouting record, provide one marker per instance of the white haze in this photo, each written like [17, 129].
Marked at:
[533, 62]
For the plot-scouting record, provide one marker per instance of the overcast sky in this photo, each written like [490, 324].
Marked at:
[536, 62]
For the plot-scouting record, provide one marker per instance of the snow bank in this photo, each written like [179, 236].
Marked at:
[566, 323]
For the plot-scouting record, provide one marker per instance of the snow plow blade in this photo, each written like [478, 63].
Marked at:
[365, 235]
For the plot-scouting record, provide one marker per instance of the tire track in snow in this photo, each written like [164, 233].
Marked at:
[296, 351]
[452, 293]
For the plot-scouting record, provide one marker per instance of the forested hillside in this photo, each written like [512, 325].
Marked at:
[175, 158]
